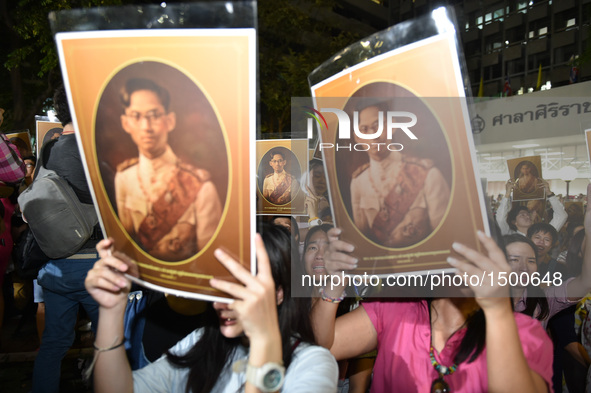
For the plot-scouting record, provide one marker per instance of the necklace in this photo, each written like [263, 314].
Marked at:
[439, 385]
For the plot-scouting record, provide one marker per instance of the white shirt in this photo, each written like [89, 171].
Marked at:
[312, 369]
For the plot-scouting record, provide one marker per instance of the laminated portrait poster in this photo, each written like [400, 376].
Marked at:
[526, 173]
[22, 141]
[46, 131]
[398, 148]
[280, 166]
[166, 122]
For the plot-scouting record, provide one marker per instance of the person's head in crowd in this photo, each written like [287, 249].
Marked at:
[317, 177]
[30, 163]
[523, 258]
[544, 237]
[575, 212]
[519, 218]
[146, 116]
[315, 245]
[60, 105]
[290, 223]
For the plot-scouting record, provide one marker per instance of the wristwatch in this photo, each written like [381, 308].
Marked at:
[314, 222]
[267, 378]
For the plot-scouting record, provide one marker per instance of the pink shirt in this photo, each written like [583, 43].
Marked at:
[404, 338]
[557, 301]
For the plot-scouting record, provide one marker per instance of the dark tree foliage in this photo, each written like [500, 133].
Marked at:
[295, 36]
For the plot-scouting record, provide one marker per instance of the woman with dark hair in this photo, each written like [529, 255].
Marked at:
[564, 291]
[250, 344]
[315, 244]
[355, 372]
[438, 344]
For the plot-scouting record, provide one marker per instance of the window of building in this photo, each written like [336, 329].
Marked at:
[543, 31]
[498, 14]
[571, 22]
[563, 54]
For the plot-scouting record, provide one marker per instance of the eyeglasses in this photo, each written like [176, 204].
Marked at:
[277, 161]
[153, 117]
[30, 165]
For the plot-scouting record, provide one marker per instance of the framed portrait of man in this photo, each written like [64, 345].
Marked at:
[46, 131]
[281, 164]
[168, 144]
[526, 173]
[400, 160]
[22, 141]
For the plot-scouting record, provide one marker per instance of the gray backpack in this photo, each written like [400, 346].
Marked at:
[60, 223]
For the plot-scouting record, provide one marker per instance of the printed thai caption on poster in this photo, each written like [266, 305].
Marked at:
[168, 144]
[401, 165]
[281, 164]
[526, 174]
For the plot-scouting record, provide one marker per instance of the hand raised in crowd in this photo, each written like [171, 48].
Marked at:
[338, 259]
[311, 203]
[545, 185]
[509, 187]
[489, 294]
[106, 281]
[255, 298]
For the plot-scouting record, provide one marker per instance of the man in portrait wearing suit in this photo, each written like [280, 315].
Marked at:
[170, 208]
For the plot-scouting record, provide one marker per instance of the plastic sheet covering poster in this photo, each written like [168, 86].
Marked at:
[281, 163]
[398, 147]
[46, 131]
[22, 140]
[166, 121]
[526, 173]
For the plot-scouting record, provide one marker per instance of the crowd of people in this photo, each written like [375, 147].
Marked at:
[488, 337]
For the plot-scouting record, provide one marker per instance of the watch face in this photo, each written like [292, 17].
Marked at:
[272, 379]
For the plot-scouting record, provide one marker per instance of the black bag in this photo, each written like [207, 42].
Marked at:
[27, 256]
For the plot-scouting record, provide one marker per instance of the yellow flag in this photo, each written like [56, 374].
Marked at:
[481, 88]
[539, 78]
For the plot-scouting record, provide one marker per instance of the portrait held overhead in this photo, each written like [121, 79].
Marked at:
[282, 165]
[279, 187]
[168, 142]
[526, 177]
